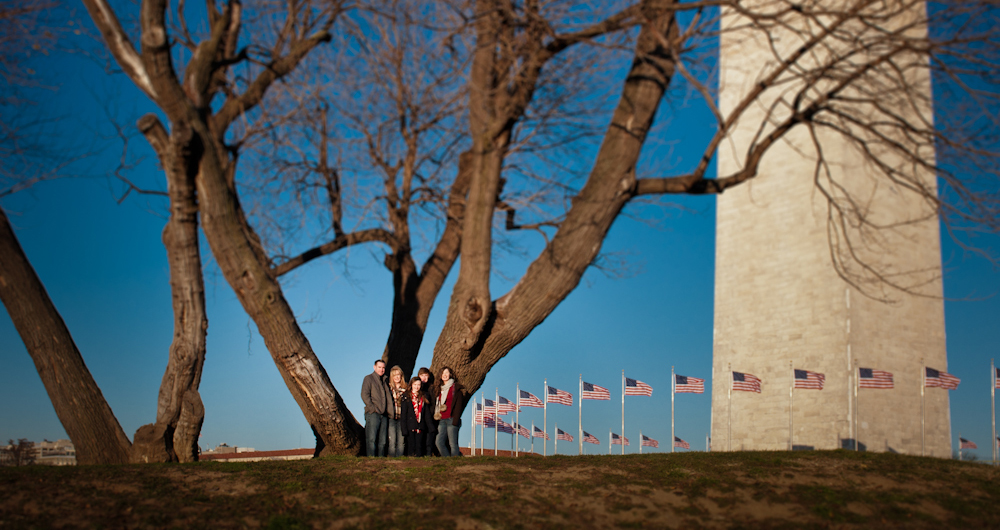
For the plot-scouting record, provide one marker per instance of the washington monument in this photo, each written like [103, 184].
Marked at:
[822, 262]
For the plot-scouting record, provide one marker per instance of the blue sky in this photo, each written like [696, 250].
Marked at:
[106, 271]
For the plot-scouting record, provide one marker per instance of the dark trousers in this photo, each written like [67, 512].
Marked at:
[430, 438]
[415, 443]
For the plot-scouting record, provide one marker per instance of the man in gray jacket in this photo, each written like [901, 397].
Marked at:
[375, 394]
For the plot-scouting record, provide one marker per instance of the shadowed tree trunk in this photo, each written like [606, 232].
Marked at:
[76, 398]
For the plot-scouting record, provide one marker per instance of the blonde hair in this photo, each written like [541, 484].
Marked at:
[402, 378]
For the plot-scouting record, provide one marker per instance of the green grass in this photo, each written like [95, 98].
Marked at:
[721, 490]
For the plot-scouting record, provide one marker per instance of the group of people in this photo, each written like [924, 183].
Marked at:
[414, 417]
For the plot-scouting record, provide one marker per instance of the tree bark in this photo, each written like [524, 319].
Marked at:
[561, 265]
[78, 402]
[178, 397]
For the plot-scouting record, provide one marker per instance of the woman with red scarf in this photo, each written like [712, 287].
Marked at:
[414, 418]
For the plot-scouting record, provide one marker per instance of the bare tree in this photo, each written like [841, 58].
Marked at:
[210, 108]
[20, 453]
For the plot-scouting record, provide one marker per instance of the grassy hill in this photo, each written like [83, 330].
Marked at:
[821, 489]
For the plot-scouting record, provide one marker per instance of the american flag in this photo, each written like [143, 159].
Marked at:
[869, 378]
[746, 382]
[559, 396]
[691, 385]
[996, 378]
[649, 442]
[522, 430]
[490, 422]
[489, 407]
[617, 440]
[529, 400]
[479, 414]
[966, 444]
[590, 438]
[505, 405]
[637, 388]
[540, 433]
[503, 426]
[939, 379]
[681, 443]
[595, 392]
[807, 379]
[563, 435]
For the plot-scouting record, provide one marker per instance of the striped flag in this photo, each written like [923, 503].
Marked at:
[746, 382]
[503, 426]
[935, 378]
[490, 422]
[617, 440]
[807, 379]
[996, 378]
[681, 443]
[590, 438]
[691, 385]
[563, 435]
[649, 442]
[595, 392]
[480, 414]
[522, 430]
[540, 433]
[489, 407]
[966, 444]
[869, 378]
[559, 396]
[530, 400]
[505, 405]
[637, 388]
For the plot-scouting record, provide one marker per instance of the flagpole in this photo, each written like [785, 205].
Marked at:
[545, 420]
[555, 442]
[857, 406]
[959, 447]
[482, 428]
[640, 437]
[673, 383]
[730, 435]
[993, 407]
[923, 385]
[792, 386]
[609, 441]
[472, 445]
[517, 421]
[532, 436]
[496, 424]
[623, 412]
[580, 434]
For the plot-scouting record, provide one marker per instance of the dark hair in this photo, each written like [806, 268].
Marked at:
[409, 388]
[423, 370]
[378, 361]
[438, 383]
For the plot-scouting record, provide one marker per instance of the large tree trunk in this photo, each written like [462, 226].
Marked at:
[237, 250]
[414, 295]
[79, 403]
[561, 265]
[179, 411]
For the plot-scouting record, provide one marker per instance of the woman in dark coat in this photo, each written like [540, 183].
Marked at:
[414, 418]
[448, 403]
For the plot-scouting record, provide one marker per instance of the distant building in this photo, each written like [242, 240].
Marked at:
[57, 453]
[224, 453]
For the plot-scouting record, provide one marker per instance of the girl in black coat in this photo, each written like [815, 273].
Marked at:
[414, 418]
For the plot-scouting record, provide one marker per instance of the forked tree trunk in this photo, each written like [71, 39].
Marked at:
[179, 411]
[76, 398]
[561, 265]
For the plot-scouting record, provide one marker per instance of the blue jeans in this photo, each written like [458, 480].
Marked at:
[375, 427]
[447, 436]
[395, 437]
